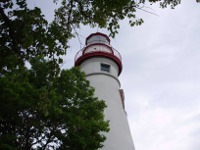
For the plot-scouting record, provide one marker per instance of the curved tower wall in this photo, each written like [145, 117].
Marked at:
[107, 87]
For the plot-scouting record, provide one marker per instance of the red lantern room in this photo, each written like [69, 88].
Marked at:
[98, 45]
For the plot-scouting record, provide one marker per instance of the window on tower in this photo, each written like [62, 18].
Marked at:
[105, 67]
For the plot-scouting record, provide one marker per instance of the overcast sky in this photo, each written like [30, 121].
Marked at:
[160, 77]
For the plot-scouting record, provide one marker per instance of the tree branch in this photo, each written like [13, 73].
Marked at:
[11, 31]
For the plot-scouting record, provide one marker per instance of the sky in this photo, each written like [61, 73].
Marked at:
[160, 76]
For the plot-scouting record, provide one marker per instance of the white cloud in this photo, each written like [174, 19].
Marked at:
[165, 129]
[161, 79]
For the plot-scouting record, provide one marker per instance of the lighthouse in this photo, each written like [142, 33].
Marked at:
[102, 65]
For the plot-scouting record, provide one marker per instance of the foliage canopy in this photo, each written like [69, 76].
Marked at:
[41, 112]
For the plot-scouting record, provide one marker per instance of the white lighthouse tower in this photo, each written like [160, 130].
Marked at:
[102, 65]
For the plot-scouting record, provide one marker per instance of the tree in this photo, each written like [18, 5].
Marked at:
[41, 112]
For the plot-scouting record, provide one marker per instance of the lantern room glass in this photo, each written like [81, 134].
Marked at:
[97, 39]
